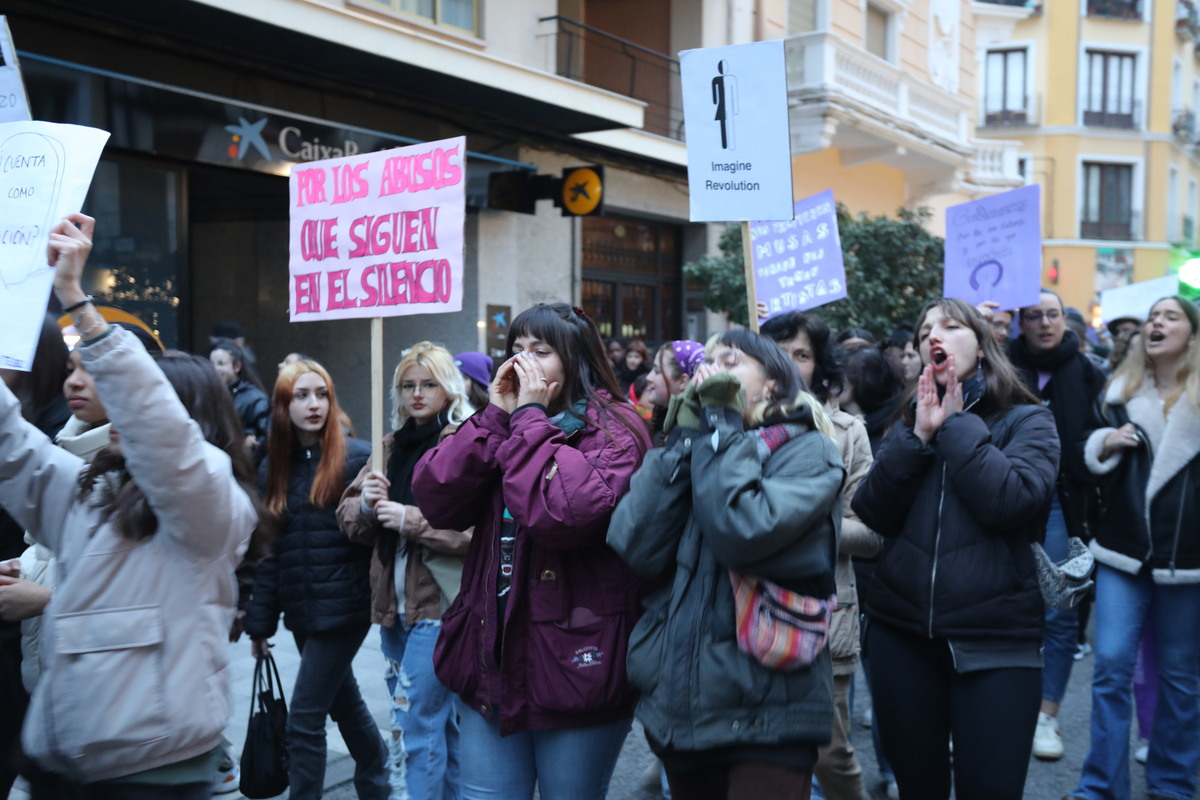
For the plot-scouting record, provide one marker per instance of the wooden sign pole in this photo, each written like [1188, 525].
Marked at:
[377, 393]
[748, 260]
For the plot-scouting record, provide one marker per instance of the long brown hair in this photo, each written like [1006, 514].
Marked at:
[1004, 386]
[330, 481]
[207, 401]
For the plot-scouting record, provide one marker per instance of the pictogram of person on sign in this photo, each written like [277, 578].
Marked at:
[724, 92]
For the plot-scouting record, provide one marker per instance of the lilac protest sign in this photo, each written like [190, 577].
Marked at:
[378, 234]
[798, 262]
[994, 249]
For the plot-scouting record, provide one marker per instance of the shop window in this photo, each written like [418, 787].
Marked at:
[136, 262]
[1109, 100]
[462, 14]
[631, 277]
[1107, 201]
[1004, 100]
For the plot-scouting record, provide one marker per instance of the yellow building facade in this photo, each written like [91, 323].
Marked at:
[1103, 96]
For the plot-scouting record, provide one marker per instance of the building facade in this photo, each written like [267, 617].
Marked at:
[1102, 95]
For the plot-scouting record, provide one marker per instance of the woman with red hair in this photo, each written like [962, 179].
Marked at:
[318, 579]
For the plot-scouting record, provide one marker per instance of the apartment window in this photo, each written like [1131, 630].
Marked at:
[877, 31]
[1189, 222]
[1107, 201]
[1110, 80]
[1004, 100]
[455, 13]
[1173, 205]
[1121, 9]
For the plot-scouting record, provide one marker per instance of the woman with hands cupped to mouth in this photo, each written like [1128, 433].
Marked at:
[959, 489]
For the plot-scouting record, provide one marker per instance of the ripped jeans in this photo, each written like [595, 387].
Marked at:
[424, 744]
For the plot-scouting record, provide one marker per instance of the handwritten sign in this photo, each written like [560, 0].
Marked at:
[378, 234]
[45, 171]
[798, 263]
[994, 249]
[1136, 299]
[14, 105]
[735, 108]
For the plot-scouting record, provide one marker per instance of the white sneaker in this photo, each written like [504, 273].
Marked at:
[1047, 741]
[1141, 754]
[227, 778]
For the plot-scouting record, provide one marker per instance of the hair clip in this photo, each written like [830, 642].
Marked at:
[579, 311]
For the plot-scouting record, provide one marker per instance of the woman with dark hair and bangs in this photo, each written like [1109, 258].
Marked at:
[534, 645]
[318, 579]
[152, 531]
[749, 480]
[959, 491]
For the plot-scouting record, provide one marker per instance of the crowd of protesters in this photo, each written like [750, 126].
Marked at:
[710, 537]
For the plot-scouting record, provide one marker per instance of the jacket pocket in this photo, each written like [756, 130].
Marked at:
[458, 655]
[647, 644]
[577, 656]
[119, 654]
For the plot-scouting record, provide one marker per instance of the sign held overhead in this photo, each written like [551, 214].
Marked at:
[736, 115]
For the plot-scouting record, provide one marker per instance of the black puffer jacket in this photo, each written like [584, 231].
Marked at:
[253, 408]
[317, 577]
[958, 516]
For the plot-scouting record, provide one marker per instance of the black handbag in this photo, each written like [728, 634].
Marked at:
[265, 758]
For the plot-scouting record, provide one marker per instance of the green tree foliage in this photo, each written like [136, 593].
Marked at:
[893, 267]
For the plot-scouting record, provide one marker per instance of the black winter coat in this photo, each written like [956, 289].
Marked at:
[1151, 499]
[958, 516]
[315, 576]
[253, 408]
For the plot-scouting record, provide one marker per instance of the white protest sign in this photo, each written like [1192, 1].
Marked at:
[735, 109]
[45, 171]
[1136, 299]
[378, 234]
[14, 105]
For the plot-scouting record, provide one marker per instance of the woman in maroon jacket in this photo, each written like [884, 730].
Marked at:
[535, 643]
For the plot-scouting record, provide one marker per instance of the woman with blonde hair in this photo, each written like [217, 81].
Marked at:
[750, 481]
[318, 579]
[415, 571]
[1144, 446]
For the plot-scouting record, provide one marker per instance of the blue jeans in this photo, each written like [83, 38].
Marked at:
[325, 686]
[567, 764]
[1123, 604]
[1060, 641]
[424, 747]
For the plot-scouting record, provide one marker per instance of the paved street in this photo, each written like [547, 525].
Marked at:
[1047, 781]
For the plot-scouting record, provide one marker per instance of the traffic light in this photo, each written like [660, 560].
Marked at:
[582, 191]
[1053, 272]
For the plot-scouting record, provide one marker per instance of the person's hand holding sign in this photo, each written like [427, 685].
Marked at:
[70, 244]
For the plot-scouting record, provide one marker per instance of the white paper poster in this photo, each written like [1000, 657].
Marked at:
[1136, 299]
[14, 105]
[45, 172]
[736, 114]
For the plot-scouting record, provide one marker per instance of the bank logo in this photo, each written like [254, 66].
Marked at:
[247, 135]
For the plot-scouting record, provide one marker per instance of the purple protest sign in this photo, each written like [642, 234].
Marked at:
[994, 249]
[798, 262]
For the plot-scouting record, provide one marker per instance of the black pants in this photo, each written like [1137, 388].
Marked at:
[14, 700]
[920, 702]
[743, 781]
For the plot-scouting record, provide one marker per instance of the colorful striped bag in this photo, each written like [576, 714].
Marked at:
[780, 629]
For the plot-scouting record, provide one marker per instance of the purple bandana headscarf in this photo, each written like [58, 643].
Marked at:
[688, 355]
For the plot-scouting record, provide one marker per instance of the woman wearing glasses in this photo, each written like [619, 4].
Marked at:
[415, 571]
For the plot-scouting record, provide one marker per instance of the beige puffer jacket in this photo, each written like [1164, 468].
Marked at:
[857, 541]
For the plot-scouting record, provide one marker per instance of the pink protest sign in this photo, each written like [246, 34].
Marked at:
[378, 234]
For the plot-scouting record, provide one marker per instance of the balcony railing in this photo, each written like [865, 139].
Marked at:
[1183, 126]
[1117, 9]
[1014, 117]
[1113, 119]
[995, 163]
[1126, 230]
[600, 59]
[823, 63]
